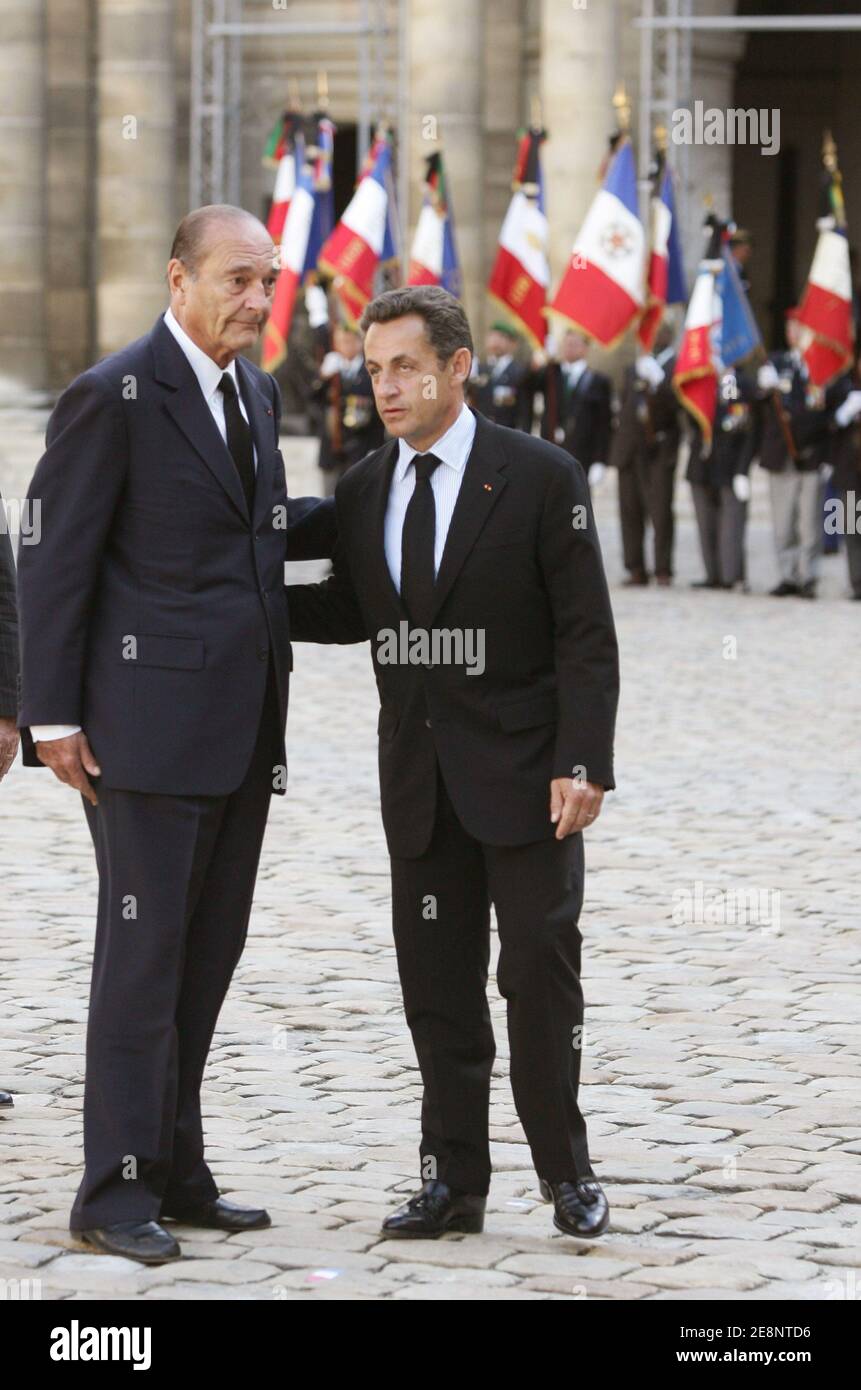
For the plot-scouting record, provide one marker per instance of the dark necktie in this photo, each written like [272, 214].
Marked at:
[239, 440]
[417, 544]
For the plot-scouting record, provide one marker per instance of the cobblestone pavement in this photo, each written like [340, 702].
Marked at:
[721, 1079]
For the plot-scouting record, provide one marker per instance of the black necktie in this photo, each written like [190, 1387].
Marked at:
[417, 544]
[239, 440]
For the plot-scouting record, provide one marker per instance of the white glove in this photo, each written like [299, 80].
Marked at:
[767, 378]
[845, 413]
[826, 472]
[596, 474]
[316, 305]
[741, 486]
[333, 362]
[649, 370]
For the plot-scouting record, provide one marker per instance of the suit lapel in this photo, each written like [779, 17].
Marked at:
[263, 432]
[376, 495]
[481, 488]
[191, 413]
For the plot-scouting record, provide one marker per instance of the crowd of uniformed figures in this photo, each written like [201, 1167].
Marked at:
[808, 441]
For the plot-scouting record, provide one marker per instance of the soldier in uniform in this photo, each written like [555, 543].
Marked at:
[577, 413]
[844, 455]
[645, 451]
[720, 483]
[349, 424]
[497, 384]
[796, 509]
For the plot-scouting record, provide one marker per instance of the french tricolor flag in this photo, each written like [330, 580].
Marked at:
[353, 252]
[293, 254]
[826, 307]
[666, 283]
[434, 259]
[520, 277]
[601, 292]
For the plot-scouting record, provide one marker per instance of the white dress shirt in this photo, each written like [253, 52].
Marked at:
[208, 375]
[453, 448]
[574, 370]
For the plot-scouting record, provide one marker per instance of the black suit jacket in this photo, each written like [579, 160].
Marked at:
[516, 568]
[8, 625]
[809, 425]
[648, 426]
[503, 398]
[582, 416]
[151, 607]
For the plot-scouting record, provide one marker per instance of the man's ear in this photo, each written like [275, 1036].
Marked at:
[461, 364]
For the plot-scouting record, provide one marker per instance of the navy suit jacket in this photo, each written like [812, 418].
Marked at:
[154, 602]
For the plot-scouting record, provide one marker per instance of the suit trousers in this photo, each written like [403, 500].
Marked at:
[721, 521]
[796, 513]
[176, 881]
[646, 488]
[441, 917]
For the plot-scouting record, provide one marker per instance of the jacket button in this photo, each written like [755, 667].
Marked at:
[428, 724]
[262, 653]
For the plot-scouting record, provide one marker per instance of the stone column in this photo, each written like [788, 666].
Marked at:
[446, 42]
[136, 153]
[23, 361]
[505, 110]
[71, 190]
[578, 53]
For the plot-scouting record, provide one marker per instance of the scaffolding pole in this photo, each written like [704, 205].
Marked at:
[217, 33]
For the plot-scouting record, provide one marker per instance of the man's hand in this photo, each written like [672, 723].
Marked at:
[574, 805]
[71, 759]
[9, 740]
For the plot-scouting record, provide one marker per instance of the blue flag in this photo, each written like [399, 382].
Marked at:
[739, 334]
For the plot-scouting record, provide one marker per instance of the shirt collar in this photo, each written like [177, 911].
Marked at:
[574, 370]
[207, 371]
[453, 447]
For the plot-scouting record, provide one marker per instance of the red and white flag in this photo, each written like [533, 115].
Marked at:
[602, 290]
[355, 248]
[520, 277]
[695, 377]
[825, 310]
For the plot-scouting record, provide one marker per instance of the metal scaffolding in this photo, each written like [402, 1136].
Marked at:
[218, 28]
[667, 29]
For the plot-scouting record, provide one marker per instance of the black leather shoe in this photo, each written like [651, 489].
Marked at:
[221, 1215]
[435, 1210]
[808, 589]
[5, 1098]
[705, 584]
[145, 1241]
[580, 1207]
[784, 589]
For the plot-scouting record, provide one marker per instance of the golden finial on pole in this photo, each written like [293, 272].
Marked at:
[662, 139]
[622, 107]
[536, 112]
[323, 90]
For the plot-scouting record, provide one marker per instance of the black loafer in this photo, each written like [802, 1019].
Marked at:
[145, 1241]
[580, 1208]
[435, 1210]
[5, 1098]
[221, 1215]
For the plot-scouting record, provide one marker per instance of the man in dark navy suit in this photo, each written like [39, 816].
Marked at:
[155, 655]
[8, 670]
[468, 554]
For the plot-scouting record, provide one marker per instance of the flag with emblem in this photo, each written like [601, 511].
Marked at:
[433, 258]
[602, 291]
[520, 276]
[666, 280]
[293, 261]
[720, 331]
[363, 239]
[825, 311]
